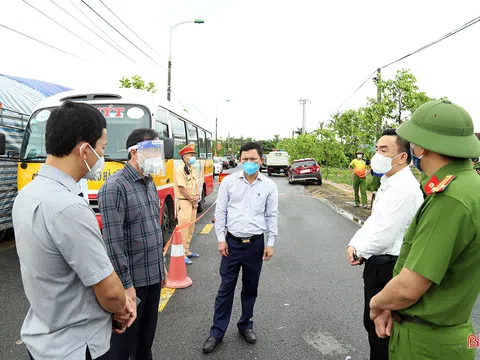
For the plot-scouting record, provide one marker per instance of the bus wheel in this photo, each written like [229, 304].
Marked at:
[201, 202]
[168, 224]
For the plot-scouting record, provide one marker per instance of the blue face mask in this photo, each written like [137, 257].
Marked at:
[192, 160]
[250, 167]
[416, 159]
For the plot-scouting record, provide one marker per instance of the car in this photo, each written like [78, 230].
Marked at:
[217, 166]
[225, 162]
[305, 170]
[231, 160]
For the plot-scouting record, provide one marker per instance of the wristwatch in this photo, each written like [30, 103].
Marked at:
[355, 257]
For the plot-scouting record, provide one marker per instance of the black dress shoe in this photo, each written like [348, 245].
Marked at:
[249, 336]
[210, 344]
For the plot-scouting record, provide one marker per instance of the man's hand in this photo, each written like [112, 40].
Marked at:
[131, 293]
[267, 253]
[126, 319]
[350, 257]
[223, 248]
[383, 324]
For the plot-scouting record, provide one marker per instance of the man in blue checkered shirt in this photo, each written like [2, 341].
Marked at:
[130, 209]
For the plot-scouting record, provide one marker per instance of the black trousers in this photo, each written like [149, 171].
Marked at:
[375, 278]
[87, 356]
[136, 343]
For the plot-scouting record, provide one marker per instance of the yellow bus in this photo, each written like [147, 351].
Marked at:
[126, 110]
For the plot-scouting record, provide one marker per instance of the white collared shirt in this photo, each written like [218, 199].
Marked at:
[245, 209]
[396, 203]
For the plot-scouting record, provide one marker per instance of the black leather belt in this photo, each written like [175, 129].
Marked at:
[245, 240]
[381, 259]
[398, 317]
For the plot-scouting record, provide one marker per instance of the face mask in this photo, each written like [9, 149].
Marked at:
[95, 172]
[151, 166]
[250, 167]
[416, 159]
[359, 156]
[192, 160]
[382, 164]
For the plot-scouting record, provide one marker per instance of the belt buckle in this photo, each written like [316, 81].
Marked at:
[246, 241]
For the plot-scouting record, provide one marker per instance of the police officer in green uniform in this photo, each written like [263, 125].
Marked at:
[426, 308]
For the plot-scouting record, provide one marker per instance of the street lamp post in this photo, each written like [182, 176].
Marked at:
[169, 87]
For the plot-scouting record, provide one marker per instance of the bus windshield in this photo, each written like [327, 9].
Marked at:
[121, 121]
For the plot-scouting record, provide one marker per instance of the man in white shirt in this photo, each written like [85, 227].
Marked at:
[379, 241]
[247, 207]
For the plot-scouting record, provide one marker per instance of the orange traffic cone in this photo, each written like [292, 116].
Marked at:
[177, 273]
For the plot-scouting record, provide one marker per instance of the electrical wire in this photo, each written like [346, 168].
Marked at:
[85, 26]
[44, 43]
[71, 32]
[129, 28]
[453, 32]
[156, 62]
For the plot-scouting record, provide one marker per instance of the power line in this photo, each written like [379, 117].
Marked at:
[74, 18]
[463, 27]
[99, 28]
[44, 43]
[129, 28]
[71, 32]
[453, 32]
[83, 1]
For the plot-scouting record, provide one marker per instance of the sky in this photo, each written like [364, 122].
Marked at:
[263, 55]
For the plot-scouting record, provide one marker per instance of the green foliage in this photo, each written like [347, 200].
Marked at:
[137, 82]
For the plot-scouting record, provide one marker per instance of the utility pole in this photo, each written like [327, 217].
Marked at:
[304, 117]
[379, 100]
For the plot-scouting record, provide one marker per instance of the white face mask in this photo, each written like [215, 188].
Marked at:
[359, 156]
[382, 164]
[95, 172]
[151, 166]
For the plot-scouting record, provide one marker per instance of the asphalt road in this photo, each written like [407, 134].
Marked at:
[309, 306]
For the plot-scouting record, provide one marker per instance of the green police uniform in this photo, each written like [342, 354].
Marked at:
[443, 241]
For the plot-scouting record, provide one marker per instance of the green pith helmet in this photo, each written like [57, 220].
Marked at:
[442, 127]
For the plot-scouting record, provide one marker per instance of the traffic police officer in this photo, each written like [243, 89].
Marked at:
[186, 191]
[430, 299]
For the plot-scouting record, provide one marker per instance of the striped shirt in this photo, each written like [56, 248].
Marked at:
[130, 210]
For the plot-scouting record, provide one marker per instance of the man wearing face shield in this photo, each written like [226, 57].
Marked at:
[430, 299]
[68, 278]
[186, 191]
[378, 241]
[130, 209]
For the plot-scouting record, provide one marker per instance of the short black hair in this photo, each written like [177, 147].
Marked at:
[251, 146]
[403, 144]
[139, 135]
[71, 124]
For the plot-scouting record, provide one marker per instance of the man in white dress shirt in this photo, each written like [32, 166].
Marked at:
[247, 207]
[378, 242]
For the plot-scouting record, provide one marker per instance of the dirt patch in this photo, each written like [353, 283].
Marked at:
[341, 197]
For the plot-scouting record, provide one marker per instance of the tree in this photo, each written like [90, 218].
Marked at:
[137, 82]
[331, 149]
[400, 98]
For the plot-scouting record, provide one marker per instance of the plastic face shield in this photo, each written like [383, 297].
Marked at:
[151, 157]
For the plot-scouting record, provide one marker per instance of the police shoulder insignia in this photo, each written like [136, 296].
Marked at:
[442, 185]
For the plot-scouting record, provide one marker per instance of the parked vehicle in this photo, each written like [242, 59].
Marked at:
[305, 170]
[231, 160]
[217, 166]
[225, 162]
[264, 164]
[278, 161]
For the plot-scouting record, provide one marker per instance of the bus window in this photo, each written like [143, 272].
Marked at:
[161, 124]
[202, 144]
[179, 134]
[161, 129]
[209, 145]
[192, 136]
